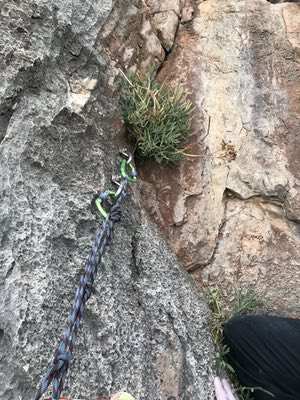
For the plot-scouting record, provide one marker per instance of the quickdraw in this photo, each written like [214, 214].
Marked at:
[127, 173]
[109, 206]
[131, 175]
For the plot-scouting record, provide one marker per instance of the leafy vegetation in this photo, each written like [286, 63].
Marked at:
[157, 116]
[244, 302]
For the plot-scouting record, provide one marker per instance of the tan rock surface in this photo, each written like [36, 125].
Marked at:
[166, 24]
[140, 35]
[232, 213]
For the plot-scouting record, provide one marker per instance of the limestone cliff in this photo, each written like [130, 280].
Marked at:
[145, 329]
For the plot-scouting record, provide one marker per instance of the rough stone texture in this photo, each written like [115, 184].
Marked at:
[187, 11]
[166, 24]
[140, 35]
[157, 6]
[232, 211]
[145, 329]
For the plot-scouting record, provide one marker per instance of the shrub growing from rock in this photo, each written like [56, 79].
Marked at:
[157, 116]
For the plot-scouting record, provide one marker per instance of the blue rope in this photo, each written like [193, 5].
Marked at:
[62, 358]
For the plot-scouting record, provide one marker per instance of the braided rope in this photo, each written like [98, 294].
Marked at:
[58, 368]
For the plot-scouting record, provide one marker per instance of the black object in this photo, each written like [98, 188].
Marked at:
[265, 353]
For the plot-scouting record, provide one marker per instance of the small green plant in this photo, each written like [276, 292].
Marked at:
[244, 302]
[157, 116]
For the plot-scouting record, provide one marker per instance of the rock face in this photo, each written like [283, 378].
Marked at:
[140, 36]
[232, 212]
[145, 329]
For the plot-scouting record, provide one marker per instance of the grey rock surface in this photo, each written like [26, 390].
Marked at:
[145, 329]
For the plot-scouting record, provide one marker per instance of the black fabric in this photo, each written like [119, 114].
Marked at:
[265, 352]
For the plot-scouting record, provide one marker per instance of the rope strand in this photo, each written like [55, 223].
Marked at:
[62, 358]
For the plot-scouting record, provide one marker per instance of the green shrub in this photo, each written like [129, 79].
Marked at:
[158, 117]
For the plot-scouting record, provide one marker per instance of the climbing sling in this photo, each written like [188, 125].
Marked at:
[58, 368]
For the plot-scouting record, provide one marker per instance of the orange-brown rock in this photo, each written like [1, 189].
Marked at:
[232, 210]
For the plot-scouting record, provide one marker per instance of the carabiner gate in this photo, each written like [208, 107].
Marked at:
[101, 198]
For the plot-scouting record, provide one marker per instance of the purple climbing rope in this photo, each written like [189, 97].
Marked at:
[59, 366]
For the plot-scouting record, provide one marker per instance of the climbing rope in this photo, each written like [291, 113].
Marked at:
[59, 366]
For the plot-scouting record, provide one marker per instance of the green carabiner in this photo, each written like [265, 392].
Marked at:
[99, 202]
[130, 177]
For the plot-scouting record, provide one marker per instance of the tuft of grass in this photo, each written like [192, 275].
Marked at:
[157, 116]
[244, 302]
